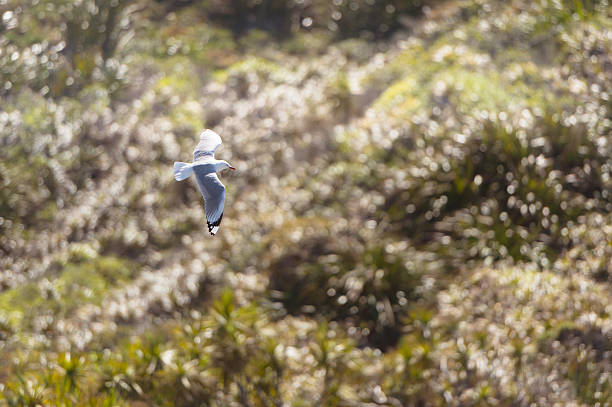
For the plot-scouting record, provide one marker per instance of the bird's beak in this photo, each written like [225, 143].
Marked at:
[232, 168]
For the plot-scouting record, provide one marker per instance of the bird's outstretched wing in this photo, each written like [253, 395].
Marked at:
[209, 142]
[213, 192]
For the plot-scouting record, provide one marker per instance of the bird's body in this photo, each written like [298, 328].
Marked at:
[205, 168]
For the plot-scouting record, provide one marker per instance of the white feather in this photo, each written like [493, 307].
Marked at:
[209, 142]
[182, 170]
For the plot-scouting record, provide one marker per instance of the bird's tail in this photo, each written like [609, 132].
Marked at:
[182, 170]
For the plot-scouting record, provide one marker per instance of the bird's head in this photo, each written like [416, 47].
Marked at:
[221, 165]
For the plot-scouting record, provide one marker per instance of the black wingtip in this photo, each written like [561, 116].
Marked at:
[215, 223]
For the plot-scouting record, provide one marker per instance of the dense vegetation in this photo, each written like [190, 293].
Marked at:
[421, 216]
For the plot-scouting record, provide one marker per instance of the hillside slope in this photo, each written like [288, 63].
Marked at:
[421, 219]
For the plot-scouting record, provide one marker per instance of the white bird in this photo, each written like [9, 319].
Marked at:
[205, 167]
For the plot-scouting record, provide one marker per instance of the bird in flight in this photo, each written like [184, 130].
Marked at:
[205, 168]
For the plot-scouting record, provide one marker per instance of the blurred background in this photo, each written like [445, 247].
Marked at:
[421, 216]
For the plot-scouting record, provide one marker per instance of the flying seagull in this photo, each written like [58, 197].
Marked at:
[205, 167]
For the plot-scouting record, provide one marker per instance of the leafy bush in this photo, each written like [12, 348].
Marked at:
[344, 18]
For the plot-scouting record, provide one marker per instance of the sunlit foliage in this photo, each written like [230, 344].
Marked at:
[421, 216]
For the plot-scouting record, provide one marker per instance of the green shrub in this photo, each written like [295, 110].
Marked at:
[369, 287]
